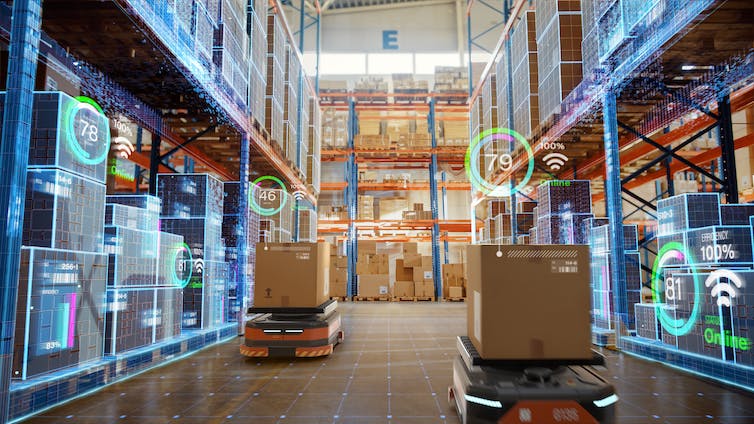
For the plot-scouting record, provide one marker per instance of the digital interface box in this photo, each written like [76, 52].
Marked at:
[141, 316]
[131, 216]
[190, 195]
[60, 317]
[68, 134]
[63, 211]
[132, 256]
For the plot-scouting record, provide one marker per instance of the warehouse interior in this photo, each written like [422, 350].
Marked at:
[377, 211]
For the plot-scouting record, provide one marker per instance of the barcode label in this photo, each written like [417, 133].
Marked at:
[564, 267]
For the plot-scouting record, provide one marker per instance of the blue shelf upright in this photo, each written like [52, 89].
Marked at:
[352, 177]
[436, 270]
[14, 156]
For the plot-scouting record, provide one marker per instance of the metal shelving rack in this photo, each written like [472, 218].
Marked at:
[135, 99]
[432, 155]
[637, 84]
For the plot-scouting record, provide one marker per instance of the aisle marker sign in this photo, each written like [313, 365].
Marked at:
[390, 39]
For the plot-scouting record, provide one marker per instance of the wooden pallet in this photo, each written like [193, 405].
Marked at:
[371, 299]
[454, 299]
[414, 299]
[340, 298]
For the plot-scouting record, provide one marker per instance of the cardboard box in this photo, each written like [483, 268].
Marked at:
[403, 273]
[338, 289]
[292, 274]
[424, 288]
[422, 274]
[362, 266]
[426, 262]
[374, 285]
[339, 275]
[341, 261]
[531, 303]
[410, 248]
[455, 292]
[453, 275]
[366, 247]
[403, 289]
[411, 260]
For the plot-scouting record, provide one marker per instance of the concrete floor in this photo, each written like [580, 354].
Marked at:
[394, 367]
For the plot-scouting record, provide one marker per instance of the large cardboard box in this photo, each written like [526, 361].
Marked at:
[531, 303]
[426, 262]
[374, 285]
[341, 261]
[422, 274]
[292, 274]
[403, 289]
[411, 260]
[410, 247]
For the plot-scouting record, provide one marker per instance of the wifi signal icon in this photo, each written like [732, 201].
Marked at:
[199, 266]
[555, 160]
[299, 195]
[720, 288]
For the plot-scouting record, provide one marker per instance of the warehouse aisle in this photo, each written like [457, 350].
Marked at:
[394, 367]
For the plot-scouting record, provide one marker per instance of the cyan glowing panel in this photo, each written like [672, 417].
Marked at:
[63, 211]
[60, 313]
[68, 134]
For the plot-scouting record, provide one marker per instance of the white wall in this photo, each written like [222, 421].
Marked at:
[424, 26]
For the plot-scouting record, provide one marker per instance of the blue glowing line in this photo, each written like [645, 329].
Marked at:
[601, 403]
[483, 401]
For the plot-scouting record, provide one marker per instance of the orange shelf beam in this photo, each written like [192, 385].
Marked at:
[739, 100]
[450, 226]
[676, 166]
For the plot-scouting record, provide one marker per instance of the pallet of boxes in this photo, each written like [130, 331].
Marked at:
[413, 276]
[528, 350]
[454, 282]
[373, 272]
[338, 276]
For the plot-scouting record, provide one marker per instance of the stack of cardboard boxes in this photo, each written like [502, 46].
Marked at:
[413, 274]
[451, 79]
[338, 275]
[366, 207]
[454, 281]
[373, 271]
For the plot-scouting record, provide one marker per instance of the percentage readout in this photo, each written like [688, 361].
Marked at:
[718, 252]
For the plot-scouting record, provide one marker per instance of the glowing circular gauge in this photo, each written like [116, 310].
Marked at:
[675, 326]
[256, 207]
[503, 161]
[88, 133]
[182, 265]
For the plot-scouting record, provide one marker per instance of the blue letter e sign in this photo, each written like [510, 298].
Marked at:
[390, 39]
